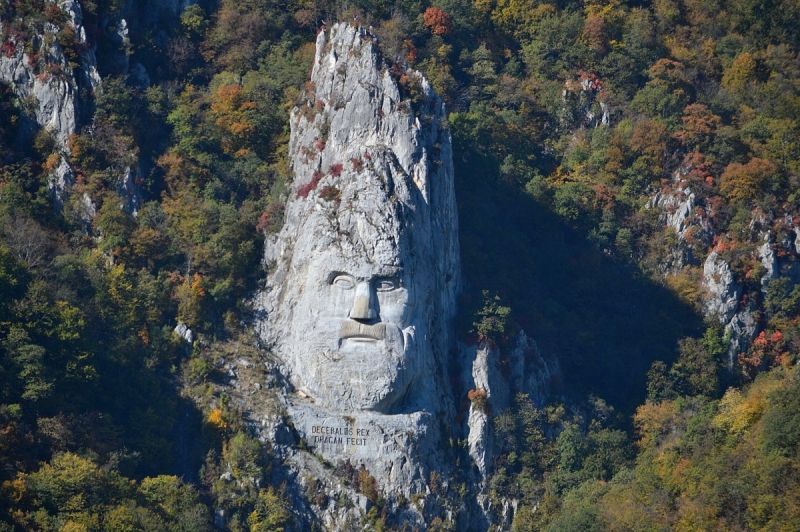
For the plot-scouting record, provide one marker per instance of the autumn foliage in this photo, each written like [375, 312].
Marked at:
[437, 21]
[479, 398]
[766, 349]
[699, 126]
[305, 189]
[233, 114]
[743, 182]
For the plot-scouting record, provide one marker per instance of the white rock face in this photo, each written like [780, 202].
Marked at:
[768, 259]
[722, 291]
[61, 180]
[722, 299]
[358, 305]
[676, 209]
[53, 98]
[184, 332]
[678, 212]
[523, 370]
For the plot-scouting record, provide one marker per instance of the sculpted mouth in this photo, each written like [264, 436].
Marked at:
[362, 331]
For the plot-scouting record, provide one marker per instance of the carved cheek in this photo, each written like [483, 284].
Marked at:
[339, 302]
[394, 306]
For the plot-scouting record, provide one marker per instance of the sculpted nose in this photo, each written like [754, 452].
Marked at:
[362, 305]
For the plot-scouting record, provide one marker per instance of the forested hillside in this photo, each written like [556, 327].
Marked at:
[627, 175]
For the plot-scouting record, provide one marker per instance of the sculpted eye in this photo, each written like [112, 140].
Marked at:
[386, 284]
[345, 282]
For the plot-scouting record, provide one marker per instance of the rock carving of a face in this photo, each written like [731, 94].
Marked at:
[365, 271]
[361, 331]
[355, 328]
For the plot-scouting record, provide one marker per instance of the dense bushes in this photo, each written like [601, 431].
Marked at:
[91, 293]
[73, 493]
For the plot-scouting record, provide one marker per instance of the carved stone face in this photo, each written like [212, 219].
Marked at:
[365, 271]
[358, 348]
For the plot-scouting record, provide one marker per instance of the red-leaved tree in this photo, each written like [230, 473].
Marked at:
[438, 21]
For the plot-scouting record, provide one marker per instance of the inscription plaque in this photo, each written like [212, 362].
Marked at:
[346, 436]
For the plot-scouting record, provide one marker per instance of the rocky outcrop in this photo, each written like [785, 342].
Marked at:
[184, 332]
[357, 308]
[585, 103]
[502, 374]
[723, 292]
[723, 300]
[679, 211]
[766, 255]
[51, 94]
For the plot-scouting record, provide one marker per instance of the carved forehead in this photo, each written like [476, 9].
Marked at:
[339, 256]
[349, 234]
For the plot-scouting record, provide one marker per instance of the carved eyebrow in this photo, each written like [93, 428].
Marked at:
[390, 271]
[384, 272]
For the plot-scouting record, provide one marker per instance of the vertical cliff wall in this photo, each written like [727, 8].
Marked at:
[364, 275]
[356, 316]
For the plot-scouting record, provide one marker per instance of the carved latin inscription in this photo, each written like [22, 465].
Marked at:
[347, 436]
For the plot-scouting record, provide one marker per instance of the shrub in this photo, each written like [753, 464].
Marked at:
[271, 220]
[493, 320]
[368, 485]
[271, 511]
[479, 399]
[304, 190]
[197, 371]
[329, 193]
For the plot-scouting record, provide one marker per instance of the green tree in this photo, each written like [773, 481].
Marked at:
[493, 320]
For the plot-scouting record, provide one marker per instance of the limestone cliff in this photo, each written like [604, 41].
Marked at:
[50, 93]
[771, 243]
[355, 319]
[363, 282]
[374, 179]
[56, 88]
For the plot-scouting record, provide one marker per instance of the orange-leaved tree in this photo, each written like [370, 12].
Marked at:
[233, 113]
[438, 21]
[744, 182]
[699, 126]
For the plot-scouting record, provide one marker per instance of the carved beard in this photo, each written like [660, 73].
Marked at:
[377, 373]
